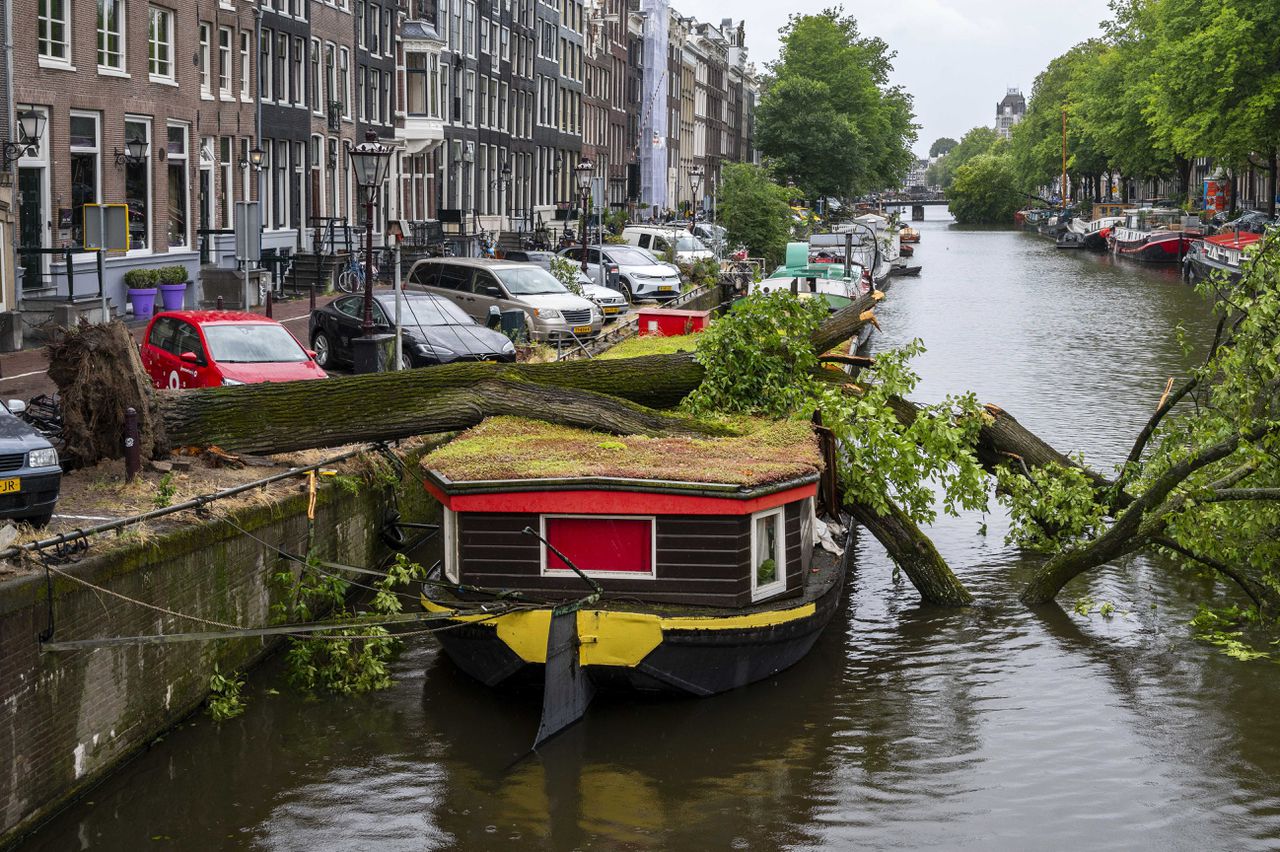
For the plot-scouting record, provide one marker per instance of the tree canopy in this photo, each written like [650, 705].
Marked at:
[754, 211]
[979, 140]
[985, 191]
[942, 146]
[829, 120]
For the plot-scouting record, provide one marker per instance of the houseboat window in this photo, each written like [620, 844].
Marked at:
[768, 554]
[599, 545]
[452, 568]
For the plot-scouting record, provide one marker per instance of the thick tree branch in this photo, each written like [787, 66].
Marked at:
[1251, 589]
[912, 550]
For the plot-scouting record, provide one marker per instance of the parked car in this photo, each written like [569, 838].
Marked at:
[475, 285]
[640, 275]
[608, 297]
[685, 246]
[201, 349]
[30, 476]
[435, 330]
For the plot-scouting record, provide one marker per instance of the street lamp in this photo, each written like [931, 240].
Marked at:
[695, 183]
[582, 172]
[30, 128]
[370, 162]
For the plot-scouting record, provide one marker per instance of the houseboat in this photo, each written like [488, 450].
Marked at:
[683, 565]
[1224, 253]
[1155, 235]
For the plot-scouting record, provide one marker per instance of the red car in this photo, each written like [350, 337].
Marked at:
[201, 349]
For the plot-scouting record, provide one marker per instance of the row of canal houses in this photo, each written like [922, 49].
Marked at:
[181, 108]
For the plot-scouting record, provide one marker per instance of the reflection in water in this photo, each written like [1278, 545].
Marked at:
[908, 726]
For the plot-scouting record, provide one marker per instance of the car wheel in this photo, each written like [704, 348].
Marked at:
[40, 520]
[626, 289]
[324, 349]
[406, 363]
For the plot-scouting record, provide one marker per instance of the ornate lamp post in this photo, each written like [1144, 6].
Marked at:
[695, 184]
[370, 161]
[30, 128]
[582, 172]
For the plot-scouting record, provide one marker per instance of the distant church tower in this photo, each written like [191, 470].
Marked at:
[1010, 111]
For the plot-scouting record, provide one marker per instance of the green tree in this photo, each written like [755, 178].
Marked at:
[828, 119]
[1216, 80]
[942, 146]
[979, 140]
[985, 191]
[753, 209]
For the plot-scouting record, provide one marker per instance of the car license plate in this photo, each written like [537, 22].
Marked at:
[665, 288]
[582, 329]
[611, 311]
[9, 486]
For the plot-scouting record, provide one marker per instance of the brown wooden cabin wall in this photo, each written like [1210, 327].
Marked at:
[702, 559]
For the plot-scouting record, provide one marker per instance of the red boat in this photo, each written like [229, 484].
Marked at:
[1223, 253]
[1154, 235]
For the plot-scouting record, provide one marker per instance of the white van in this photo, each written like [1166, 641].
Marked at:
[660, 240]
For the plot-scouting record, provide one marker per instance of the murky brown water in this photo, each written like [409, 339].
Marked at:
[908, 727]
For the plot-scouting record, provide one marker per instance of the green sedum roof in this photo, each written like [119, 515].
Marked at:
[506, 448]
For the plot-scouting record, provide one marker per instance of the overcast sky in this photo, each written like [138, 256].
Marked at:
[956, 57]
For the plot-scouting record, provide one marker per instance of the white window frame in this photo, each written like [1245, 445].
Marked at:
[344, 81]
[246, 74]
[59, 50]
[149, 238]
[121, 36]
[95, 150]
[557, 572]
[225, 63]
[161, 70]
[226, 179]
[314, 88]
[172, 159]
[779, 584]
[298, 72]
[205, 56]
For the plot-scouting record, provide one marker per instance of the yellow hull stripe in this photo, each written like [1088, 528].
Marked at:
[610, 637]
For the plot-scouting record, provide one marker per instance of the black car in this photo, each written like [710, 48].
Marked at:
[30, 476]
[436, 331]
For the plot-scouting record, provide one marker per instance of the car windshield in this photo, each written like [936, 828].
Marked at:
[252, 343]
[424, 310]
[689, 244]
[528, 281]
[630, 257]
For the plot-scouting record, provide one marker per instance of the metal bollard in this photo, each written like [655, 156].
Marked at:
[313, 295]
[219, 303]
[132, 444]
[268, 304]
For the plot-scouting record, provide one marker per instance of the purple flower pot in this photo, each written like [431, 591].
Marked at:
[173, 296]
[143, 301]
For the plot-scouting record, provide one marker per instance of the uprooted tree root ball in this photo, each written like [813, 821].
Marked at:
[99, 375]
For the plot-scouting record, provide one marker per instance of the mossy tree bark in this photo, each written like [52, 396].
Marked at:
[914, 552]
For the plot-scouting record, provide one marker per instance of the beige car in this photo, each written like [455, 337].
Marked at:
[477, 285]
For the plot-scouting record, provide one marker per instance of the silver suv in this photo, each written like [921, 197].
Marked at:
[475, 285]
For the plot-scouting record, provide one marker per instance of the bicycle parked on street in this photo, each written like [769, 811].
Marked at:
[351, 279]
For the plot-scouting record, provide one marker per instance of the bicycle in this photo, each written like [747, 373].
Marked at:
[351, 279]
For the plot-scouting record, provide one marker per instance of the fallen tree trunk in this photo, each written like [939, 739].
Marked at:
[913, 551]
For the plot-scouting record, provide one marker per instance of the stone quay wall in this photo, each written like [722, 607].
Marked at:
[67, 719]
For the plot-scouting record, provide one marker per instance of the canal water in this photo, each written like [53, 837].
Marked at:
[908, 727]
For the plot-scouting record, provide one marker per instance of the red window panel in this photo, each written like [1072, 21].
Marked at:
[615, 545]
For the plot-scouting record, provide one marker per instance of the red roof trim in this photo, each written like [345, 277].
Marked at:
[601, 502]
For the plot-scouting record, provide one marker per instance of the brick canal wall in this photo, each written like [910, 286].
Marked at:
[68, 718]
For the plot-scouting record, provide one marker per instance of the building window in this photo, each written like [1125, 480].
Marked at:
[85, 169]
[227, 178]
[206, 72]
[178, 185]
[297, 75]
[137, 185]
[111, 34]
[362, 111]
[416, 84]
[280, 71]
[768, 554]
[600, 545]
[344, 81]
[264, 66]
[317, 103]
[360, 35]
[330, 74]
[53, 30]
[224, 62]
[280, 201]
[160, 41]
[469, 99]
[469, 28]
[245, 73]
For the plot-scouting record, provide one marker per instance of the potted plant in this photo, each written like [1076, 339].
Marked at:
[142, 291]
[173, 286]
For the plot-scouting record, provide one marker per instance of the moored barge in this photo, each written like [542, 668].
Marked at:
[685, 565]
